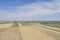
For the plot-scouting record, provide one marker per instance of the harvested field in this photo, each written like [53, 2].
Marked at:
[34, 31]
[12, 33]
[29, 33]
[7, 25]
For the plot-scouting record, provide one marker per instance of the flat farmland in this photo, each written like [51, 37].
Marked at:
[51, 25]
[51, 33]
[27, 31]
[11, 32]
[6, 25]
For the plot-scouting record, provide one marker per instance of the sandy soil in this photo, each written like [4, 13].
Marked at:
[10, 34]
[29, 33]
[33, 32]
[49, 32]
[8, 25]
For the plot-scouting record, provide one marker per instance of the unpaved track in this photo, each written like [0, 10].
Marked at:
[33, 32]
[29, 33]
[10, 34]
[49, 32]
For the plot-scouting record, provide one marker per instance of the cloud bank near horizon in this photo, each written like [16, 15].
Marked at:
[38, 11]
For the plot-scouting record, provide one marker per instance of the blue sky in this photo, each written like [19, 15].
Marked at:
[30, 10]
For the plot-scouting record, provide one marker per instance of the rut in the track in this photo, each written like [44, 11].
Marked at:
[29, 33]
[52, 33]
[10, 34]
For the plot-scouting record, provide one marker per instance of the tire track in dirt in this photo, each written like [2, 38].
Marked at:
[11, 34]
[29, 33]
[49, 32]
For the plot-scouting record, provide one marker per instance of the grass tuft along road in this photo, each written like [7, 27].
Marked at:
[15, 25]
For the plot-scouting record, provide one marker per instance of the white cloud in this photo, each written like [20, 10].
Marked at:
[38, 8]
[30, 11]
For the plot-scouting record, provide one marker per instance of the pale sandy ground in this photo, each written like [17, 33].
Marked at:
[33, 32]
[11, 34]
[7, 25]
[30, 33]
[49, 32]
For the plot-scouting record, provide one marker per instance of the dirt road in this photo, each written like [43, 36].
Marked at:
[47, 30]
[30, 33]
[51, 33]
[10, 34]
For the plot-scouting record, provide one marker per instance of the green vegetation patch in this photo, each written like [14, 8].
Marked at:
[51, 24]
[26, 24]
[15, 25]
[52, 29]
[57, 25]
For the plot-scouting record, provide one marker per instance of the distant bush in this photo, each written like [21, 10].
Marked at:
[15, 25]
